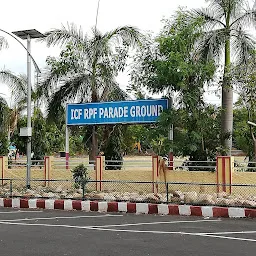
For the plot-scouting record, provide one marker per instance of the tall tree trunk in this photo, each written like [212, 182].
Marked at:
[227, 101]
[94, 138]
[94, 142]
[227, 118]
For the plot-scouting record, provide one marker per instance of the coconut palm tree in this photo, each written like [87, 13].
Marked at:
[87, 67]
[225, 35]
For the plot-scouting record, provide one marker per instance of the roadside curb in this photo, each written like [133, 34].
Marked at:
[127, 207]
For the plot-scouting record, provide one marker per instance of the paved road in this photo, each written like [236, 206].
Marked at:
[27, 233]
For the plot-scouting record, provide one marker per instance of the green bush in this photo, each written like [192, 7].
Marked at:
[80, 176]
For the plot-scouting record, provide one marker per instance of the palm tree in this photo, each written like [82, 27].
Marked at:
[87, 67]
[225, 24]
[18, 87]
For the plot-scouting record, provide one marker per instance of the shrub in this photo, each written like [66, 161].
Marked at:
[80, 176]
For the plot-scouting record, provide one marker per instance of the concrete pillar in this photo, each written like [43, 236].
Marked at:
[155, 173]
[47, 169]
[100, 167]
[3, 167]
[225, 168]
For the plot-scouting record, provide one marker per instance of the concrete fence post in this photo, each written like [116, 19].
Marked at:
[225, 168]
[155, 173]
[3, 167]
[100, 167]
[47, 169]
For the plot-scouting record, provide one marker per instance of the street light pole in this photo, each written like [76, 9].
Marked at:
[29, 111]
[28, 34]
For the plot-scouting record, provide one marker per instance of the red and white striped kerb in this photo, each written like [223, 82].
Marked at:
[127, 207]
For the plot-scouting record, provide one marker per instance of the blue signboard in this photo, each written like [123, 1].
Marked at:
[114, 112]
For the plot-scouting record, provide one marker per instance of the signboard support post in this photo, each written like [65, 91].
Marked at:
[67, 147]
[170, 165]
[170, 137]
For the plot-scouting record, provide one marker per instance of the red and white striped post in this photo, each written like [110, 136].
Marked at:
[225, 166]
[100, 166]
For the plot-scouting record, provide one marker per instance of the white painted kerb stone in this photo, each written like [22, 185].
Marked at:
[1, 202]
[102, 206]
[68, 205]
[49, 204]
[86, 206]
[207, 211]
[184, 210]
[141, 208]
[236, 212]
[16, 203]
[163, 209]
[122, 207]
[32, 203]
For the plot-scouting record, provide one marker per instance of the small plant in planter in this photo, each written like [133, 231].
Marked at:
[80, 176]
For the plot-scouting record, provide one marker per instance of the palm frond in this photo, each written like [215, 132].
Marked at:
[47, 84]
[116, 93]
[211, 45]
[238, 7]
[3, 101]
[243, 45]
[211, 18]
[17, 84]
[73, 88]
[3, 43]
[107, 85]
[70, 33]
[227, 5]
[126, 35]
[22, 104]
[100, 61]
[248, 18]
[97, 48]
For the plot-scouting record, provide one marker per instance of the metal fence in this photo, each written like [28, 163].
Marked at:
[143, 163]
[243, 195]
[22, 163]
[127, 164]
[245, 166]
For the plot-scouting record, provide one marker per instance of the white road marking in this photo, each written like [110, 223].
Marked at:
[226, 237]
[39, 224]
[66, 217]
[229, 232]
[128, 231]
[154, 223]
[18, 212]
[171, 232]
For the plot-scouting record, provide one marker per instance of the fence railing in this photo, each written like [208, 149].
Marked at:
[193, 193]
[130, 164]
[126, 164]
[245, 166]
